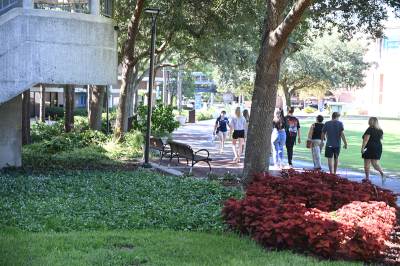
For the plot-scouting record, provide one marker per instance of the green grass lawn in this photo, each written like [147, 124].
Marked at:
[141, 247]
[351, 158]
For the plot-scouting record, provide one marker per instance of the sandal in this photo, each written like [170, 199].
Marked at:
[383, 178]
[235, 159]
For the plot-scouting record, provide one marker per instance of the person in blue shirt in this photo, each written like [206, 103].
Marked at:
[221, 129]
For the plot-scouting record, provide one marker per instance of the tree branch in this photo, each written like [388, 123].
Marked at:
[304, 84]
[330, 9]
[201, 31]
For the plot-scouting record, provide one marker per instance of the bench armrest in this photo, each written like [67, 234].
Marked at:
[208, 153]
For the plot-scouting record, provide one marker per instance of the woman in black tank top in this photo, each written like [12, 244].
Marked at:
[315, 136]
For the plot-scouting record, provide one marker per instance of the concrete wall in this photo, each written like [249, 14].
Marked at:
[54, 47]
[10, 132]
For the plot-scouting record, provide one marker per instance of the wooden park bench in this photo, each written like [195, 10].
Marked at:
[158, 144]
[181, 150]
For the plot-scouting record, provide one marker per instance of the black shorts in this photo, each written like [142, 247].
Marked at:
[238, 134]
[332, 152]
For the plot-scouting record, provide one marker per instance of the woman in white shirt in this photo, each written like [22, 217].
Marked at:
[238, 125]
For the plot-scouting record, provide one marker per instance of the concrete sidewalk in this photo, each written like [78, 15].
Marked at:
[198, 136]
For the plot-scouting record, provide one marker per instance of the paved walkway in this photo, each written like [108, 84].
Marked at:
[198, 136]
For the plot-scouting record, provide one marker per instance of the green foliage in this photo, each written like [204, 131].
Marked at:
[344, 112]
[231, 177]
[297, 109]
[41, 131]
[134, 140]
[309, 110]
[187, 174]
[162, 119]
[58, 112]
[107, 200]
[212, 177]
[203, 115]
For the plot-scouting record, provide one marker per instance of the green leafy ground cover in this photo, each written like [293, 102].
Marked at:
[105, 200]
[351, 158]
[141, 247]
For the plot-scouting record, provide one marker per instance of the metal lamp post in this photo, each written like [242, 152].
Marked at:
[154, 14]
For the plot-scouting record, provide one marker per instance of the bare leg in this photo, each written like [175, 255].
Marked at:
[330, 165]
[234, 148]
[240, 148]
[336, 165]
[377, 166]
[366, 167]
[223, 141]
[220, 141]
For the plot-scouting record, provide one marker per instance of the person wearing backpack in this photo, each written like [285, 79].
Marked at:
[293, 126]
[221, 129]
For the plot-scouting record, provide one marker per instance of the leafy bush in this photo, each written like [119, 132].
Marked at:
[162, 119]
[134, 141]
[344, 112]
[58, 112]
[315, 211]
[41, 131]
[204, 115]
[54, 112]
[57, 144]
[110, 200]
[309, 110]
[297, 109]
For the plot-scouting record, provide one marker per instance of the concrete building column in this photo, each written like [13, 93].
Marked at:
[94, 7]
[28, 4]
[10, 132]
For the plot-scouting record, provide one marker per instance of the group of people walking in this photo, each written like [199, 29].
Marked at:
[286, 132]
[239, 125]
[286, 129]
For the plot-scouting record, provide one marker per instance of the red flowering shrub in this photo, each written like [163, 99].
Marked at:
[315, 211]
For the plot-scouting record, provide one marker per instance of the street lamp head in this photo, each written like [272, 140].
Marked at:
[154, 10]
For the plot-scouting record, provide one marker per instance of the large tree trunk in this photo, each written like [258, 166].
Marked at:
[122, 114]
[96, 107]
[67, 108]
[276, 30]
[26, 117]
[42, 108]
[89, 100]
[179, 89]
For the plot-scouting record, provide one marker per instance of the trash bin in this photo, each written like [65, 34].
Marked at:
[192, 116]
[130, 122]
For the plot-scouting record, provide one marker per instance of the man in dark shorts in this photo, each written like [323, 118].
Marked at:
[334, 130]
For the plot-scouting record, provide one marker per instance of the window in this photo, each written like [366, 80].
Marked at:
[391, 43]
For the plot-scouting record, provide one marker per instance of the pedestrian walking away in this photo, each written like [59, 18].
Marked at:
[246, 115]
[221, 129]
[278, 138]
[238, 126]
[292, 130]
[315, 135]
[371, 148]
[334, 131]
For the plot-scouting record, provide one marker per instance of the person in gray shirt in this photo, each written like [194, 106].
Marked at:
[334, 131]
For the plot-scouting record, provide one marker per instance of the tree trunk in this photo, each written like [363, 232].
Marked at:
[72, 121]
[121, 125]
[179, 96]
[164, 87]
[89, 100]
[131, 94]
[97, 107]
[276, 30]
[67, 108]
[26, 118]
[135, 101]
[42, 108]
